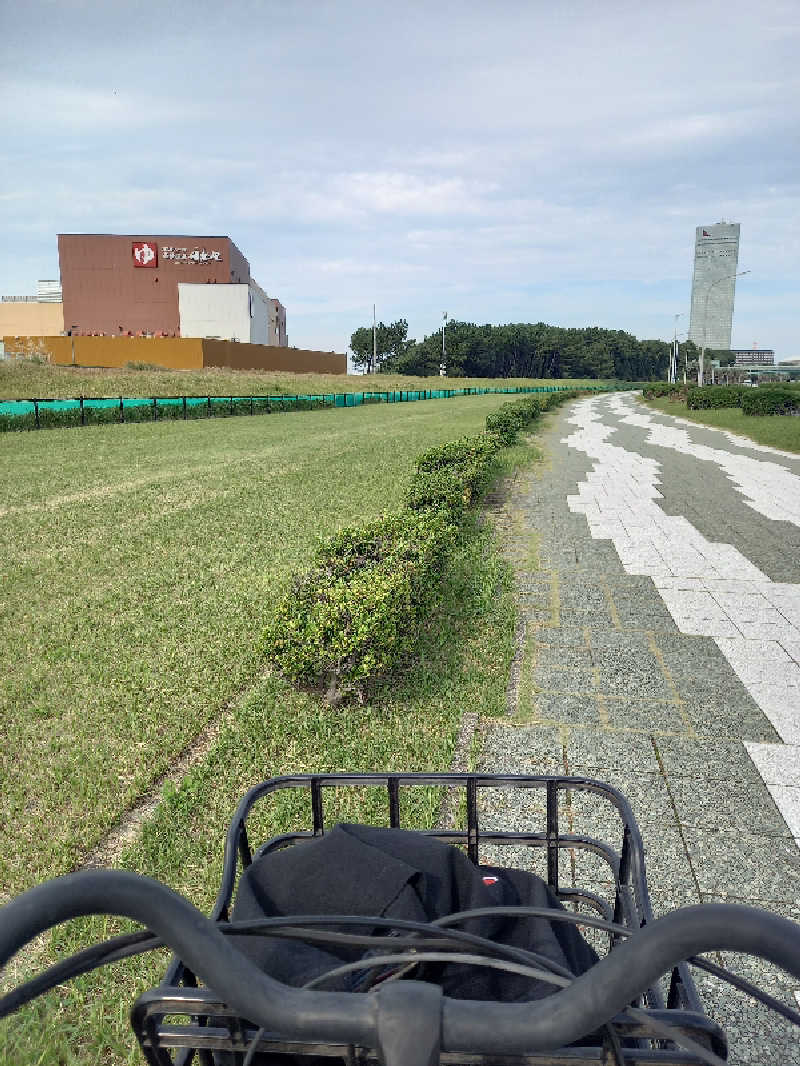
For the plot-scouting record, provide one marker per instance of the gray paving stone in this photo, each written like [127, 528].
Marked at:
[552, 657]
[624, 674]
[647, 794]
[712, 717]
[578, 681]
[656, 717]
[561, 636]
[717, 759]
[575, 709]
[599, 750]
[523, 750]
[714, 804]
[728, 862]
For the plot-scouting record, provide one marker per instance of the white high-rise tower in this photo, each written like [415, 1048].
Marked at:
[716, 256]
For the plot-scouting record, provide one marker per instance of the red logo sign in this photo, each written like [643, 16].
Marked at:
[145, 254]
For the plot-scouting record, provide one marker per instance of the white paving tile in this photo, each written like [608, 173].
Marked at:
[778, 764]
[787, 800]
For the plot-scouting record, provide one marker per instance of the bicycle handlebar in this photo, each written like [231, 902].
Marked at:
[382, 1016]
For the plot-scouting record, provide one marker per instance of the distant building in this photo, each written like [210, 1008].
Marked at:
[754, 356]
[173, 286]
[716, 258]
[32, 316]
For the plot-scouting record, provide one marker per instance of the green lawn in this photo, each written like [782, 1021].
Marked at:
[776, 431]
[20, 379]
[141, 562]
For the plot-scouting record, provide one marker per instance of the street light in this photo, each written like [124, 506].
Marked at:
[673, 359]
[727, 277]
[443, 371]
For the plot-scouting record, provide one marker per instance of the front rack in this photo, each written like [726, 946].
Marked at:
[207, 1031]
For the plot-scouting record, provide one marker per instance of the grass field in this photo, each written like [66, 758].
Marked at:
[775, 431]
[20, 379]
[140, 564]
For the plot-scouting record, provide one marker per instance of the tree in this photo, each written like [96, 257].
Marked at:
[391, 342]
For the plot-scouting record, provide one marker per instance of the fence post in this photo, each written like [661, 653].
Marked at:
[209, 407]
[231, 405]
[121, 411]
[155, 410]
[83, 413]
[251, 405]
[36, 413]
[184, 408]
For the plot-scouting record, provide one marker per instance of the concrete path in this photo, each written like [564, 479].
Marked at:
[662, 654]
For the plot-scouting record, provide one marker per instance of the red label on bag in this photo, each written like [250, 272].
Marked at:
[490, 880]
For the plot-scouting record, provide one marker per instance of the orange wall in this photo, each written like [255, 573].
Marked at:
[269, 357]
[179, 353]
[31, 319]
[173, 353]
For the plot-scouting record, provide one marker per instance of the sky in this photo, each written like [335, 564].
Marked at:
[519, 161]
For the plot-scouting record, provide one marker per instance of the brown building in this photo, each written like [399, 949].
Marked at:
[128, 285]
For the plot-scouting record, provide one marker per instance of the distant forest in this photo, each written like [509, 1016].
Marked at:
[522, 350]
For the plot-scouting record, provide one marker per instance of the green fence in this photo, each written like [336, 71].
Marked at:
[40, 413]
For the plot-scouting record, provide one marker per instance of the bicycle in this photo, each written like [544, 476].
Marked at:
[230, 1011]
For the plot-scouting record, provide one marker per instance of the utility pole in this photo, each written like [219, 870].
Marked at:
[374, 343]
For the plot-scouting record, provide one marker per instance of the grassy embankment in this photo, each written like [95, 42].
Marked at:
[23, 379]
[775, 431]
[140, 564]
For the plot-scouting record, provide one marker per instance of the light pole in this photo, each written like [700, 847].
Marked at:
[673, 361]
[700, 365]
[374, 342]
[444, 353]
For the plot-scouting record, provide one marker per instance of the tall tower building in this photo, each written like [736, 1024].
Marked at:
[716, 257]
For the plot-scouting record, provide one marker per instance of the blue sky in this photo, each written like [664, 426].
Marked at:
[515, 161]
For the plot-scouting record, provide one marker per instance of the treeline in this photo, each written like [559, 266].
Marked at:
[521, 350]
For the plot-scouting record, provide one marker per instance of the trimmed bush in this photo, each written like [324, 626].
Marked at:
[712, 396]
[355, 612]
[506, 422]
[657, 389]
[454, 475]
[771, 401]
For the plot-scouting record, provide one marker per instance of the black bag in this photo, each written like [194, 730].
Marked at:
[395, 873]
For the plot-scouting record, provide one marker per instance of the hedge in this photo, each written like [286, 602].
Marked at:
[662, 388]
[771, 401]
[710, 396]
[356, 611]
[353, 614]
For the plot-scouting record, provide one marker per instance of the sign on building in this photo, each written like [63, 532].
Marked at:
[145, 254]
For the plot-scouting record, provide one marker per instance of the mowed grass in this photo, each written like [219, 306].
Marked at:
[141, 563]
[775, 431]
[20, 378]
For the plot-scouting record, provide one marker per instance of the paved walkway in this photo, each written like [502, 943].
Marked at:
[662, 654]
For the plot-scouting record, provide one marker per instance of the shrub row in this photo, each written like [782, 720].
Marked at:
[764, 400]
[712, 396]
[774, 401]
[356, 612]
[656, 389]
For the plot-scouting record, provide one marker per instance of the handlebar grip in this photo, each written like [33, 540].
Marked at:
[342, 1017]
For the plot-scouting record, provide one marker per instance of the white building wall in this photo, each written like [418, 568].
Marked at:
[214, 311]
[259, 314]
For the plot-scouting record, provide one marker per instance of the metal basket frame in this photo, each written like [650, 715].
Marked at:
[216, 1036]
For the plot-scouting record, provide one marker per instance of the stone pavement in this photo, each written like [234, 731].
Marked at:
[660, 654]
